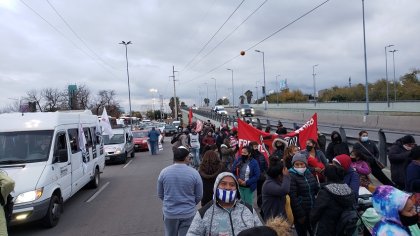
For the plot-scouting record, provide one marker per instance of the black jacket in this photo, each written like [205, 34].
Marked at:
[336, 147]
[274, 197]
[399, 158]
[303, 189]
[364, 147]
[331, 201]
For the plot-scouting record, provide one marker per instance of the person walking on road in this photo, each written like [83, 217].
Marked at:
[275, 189]
[195, 147]
[412, 183]
[247, 172]
[333, 198]
[398, 155]
[7, 185]
[153, 140]
[226, 214]
[262, 164]
[210, 167]
[336, 147]
[303, 189]
[180, 188]
[371, 153]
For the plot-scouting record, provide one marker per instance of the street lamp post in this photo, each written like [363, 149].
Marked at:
[128, 81]
[265, 88]
[386, 73]
[215, 91]
[313, 76]
[395, 82]
[277, 88]
[364, 49]
[233, 90]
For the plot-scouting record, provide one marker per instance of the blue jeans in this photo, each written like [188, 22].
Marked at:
[196, 156]
[153, 147]
[177, 227]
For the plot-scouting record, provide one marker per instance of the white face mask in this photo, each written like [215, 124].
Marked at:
[364, 139]
[226, 196]
[300, 170]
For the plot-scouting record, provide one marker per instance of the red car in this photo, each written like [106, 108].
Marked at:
[141, 140]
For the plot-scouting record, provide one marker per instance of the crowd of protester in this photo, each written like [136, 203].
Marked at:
[311, 191]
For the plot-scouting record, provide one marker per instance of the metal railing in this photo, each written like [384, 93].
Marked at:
[348, 134]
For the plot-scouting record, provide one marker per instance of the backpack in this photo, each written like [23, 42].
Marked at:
[8, 207]
[347, 224]
[175, 138]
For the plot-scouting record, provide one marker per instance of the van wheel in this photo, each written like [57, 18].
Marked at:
[54, 212]
[124, 160]
[94, 183]
[132, 154]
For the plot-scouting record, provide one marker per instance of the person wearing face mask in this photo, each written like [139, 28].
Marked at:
[303, 189]
[279, 145]
[336, 147]
[226, 214]
[362, 168]
[397, 211]
[195, 148]
[247, 172]
[398, 155]
[351, 178]
[316, 159]
[370, 152]
[412, 183]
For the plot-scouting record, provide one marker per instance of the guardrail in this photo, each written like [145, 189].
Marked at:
[348, 134]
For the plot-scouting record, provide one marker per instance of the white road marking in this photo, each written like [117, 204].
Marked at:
[127, 164]
[97, 193]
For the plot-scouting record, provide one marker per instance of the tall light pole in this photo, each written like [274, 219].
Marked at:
[395, 82]
[277, 88]
[313, 76]
[175, 101]
[265, 88]
[233, 89]
[364, 49]
[153, 91]
[386, 73]
[215, 91]
[128, 80]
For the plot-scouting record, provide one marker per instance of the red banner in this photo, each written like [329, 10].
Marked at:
[190, 116]
[308, 131]
[248, 133]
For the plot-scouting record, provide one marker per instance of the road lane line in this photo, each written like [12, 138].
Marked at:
[127, 164]
[97, 193]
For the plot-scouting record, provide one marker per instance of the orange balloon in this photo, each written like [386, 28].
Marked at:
[242, 53]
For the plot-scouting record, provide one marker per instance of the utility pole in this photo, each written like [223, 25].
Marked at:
[175, 102]
[349, 82]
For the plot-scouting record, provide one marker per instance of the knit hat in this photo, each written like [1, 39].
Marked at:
[344, 161]
[181, 153]
[300, 157]
[407, 139]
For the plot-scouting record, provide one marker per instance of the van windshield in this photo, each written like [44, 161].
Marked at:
[25, 146]
[116, 139]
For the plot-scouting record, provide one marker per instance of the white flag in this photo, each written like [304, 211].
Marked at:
[106, 126]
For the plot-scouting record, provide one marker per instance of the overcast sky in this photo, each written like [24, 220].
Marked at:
[39, 50]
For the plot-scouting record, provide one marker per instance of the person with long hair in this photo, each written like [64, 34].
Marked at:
[275, 189]
[210, 167]
[289, 152]
[316, 159]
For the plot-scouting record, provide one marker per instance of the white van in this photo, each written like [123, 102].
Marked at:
[120, 146]
[41, 152]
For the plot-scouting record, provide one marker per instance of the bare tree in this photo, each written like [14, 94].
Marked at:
[82, 96]
[106, 98]
[35, 96]
[52, 97]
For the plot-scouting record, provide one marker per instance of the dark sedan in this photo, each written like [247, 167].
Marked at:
[245, 110]
[169, 130]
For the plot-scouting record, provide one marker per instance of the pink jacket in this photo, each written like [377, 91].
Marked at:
[361, 167]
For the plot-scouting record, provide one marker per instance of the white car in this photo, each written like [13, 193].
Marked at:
[220, 110]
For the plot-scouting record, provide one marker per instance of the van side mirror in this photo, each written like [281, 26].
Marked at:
[61, 156]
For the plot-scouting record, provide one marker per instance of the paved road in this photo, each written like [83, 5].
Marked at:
[127, 205]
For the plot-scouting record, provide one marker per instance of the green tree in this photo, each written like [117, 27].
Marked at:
[248, 95]
[172, 105]
[242, 99]
[206, 101]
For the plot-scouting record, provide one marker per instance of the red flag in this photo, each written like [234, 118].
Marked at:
[190, 116]
[308, 131]
[248, 133]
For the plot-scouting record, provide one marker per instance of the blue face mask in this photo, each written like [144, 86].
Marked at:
[364, 139]
[226, 196]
